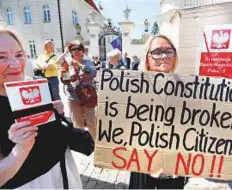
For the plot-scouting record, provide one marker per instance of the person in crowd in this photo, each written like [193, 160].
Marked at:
[127, 61]
[160, 55]
[31, 157]
[47, 64]
[135, 63]
[114, 60]
[29, 69]
[81, 112]
[96, 63]
[104, 64]
[86, 55]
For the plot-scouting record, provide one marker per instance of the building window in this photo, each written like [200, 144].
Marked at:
[27, 15]
[9, 16]
[74, 17]
[32, 48]
[46, 12]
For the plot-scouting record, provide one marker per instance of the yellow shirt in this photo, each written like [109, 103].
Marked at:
[51, 71]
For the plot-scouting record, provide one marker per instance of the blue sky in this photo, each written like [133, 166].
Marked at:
[141, 10]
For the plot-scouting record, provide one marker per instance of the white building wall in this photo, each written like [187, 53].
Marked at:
[165, 28]
[174, 26]
[185, 30]
[69, 32]
[167, 5]
[40, 31]
[83, 10]
[37, 30]
[191, 27]
[136, 49]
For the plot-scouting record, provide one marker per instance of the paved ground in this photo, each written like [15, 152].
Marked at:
[97, 178]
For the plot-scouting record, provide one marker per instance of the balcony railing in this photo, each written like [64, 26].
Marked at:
[184, 4]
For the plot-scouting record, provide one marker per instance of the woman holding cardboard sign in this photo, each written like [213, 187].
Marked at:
[160, 56]
[31, 157]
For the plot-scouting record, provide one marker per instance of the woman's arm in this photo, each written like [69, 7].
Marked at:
[24, 137]
[60, 59]
[86, 68]
[10, 165]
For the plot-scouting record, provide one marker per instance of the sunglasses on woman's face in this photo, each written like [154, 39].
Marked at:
[158, 53]
[76, 49]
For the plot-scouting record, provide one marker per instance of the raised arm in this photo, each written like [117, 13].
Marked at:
[60, 59]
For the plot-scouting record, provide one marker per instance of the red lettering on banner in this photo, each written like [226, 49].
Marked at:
[202, 164]
[191, 161]
[216, 64]
[119, 157]
[134, 158]
[220, 166]
[212, 166]
[185, 165]
[126, 162]
[150, 158]
[212, 171]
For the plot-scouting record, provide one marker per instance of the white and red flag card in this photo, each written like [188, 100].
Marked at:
[29, 94]
[216, 52]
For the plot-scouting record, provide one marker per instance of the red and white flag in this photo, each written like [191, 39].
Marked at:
[216, 52]
[28, 94]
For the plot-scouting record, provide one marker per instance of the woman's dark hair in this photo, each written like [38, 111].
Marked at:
[74, 43]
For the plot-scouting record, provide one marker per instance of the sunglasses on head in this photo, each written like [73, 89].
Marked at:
[76, 49]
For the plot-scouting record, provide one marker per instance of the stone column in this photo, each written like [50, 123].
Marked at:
[126, 29]
[94, 30]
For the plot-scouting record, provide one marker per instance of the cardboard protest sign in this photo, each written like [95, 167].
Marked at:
[155, 121]
[216, 53]
[28, 94]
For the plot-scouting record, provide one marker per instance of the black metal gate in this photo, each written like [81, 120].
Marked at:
[106, 31]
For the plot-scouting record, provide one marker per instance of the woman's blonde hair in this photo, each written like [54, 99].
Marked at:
[14, 35]
[143, 64]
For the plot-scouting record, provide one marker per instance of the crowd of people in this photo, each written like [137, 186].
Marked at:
[39, 157]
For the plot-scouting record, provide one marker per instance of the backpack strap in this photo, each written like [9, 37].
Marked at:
[50, 58]
[47, 61]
